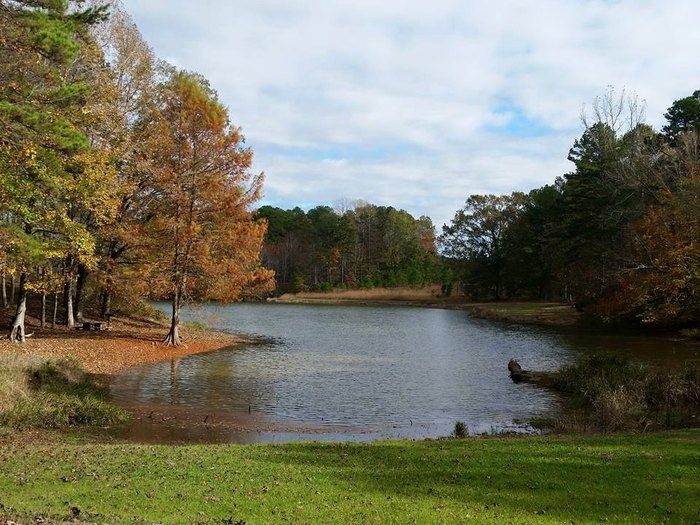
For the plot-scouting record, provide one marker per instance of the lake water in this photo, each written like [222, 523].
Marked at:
[358, 373]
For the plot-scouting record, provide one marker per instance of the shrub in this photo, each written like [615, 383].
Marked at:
[195, 325]
[37, 393]
[461, 430]
[612, 394]
[48, 410]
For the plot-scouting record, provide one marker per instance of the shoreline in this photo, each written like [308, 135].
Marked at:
[129, 342]
[549, 313]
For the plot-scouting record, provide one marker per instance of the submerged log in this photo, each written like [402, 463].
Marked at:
[518, 375]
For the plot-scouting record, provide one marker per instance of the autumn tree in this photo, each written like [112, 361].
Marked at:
[40, 138]
[125, 132]
[202, 241]
[660, 281]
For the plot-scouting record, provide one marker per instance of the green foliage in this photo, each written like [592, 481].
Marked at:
[365, 247]
[44, 100]
[478, 235]
[196, 325]
[461, 430]
[50, 411]
[682, 116]
[52, 35]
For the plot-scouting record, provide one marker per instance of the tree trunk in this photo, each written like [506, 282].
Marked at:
[17, 334]
[105, 302]
[68, 302]
[55, 310]
[12, 288]
[43, 310]
[80, 292]
[173, 338]
[4, 289]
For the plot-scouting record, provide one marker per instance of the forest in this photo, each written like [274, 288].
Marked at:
[362, 246]
[122, 177]
[616, 237]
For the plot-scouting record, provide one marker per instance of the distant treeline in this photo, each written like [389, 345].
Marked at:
[366, 246]
[619, 236]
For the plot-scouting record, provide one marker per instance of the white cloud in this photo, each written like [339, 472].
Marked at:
[427, 79]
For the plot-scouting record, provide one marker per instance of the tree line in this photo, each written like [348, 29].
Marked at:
[617, 236]
[121, 176]
[356, 246]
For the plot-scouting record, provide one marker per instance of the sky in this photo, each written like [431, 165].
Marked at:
[419, 104]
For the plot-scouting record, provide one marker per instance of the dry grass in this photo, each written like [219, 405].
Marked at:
[612, 394]
[40, 393]
[428, 293]
[13, 384]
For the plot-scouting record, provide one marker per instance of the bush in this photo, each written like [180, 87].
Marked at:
[195, 325]
[612, 394]
[53, 394]
[49, 410]
[323, 287]
[461, 430]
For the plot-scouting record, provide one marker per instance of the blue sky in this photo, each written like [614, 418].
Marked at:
[420, 104]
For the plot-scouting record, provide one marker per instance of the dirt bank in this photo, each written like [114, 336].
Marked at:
[128, 342]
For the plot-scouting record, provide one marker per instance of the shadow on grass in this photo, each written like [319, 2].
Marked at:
[624, 479]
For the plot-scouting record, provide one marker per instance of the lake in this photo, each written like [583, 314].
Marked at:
[358, 373]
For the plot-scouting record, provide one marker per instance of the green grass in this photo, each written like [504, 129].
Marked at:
[618, 479]
[526, 312]
[40, 393]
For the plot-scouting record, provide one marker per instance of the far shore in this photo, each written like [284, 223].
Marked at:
[533, 312]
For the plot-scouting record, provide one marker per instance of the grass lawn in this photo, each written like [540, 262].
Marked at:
[526, 312]
[575, 479]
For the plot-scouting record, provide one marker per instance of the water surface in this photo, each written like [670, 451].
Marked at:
[360, 373]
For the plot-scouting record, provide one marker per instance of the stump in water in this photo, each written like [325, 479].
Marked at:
[516, 371]
[518, 375]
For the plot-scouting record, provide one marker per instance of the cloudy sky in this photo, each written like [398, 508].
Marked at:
[418, 104]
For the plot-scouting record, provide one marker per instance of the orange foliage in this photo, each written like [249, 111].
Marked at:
[661, 288]
[202, 242]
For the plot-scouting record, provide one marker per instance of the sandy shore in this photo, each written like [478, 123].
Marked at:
[128, 342]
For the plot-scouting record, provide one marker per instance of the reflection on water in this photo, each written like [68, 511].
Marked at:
[360, 373]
